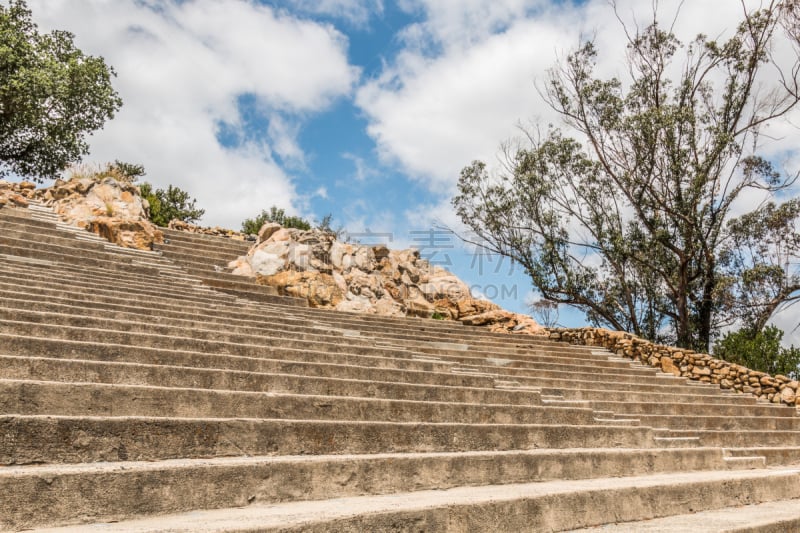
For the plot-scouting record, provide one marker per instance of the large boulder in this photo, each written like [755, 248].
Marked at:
[107, 206]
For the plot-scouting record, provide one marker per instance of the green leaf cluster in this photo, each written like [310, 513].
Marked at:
[51, 96]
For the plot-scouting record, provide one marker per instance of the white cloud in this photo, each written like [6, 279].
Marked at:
[283, 136]
[362, 168]
[181, 67]
[467, 76]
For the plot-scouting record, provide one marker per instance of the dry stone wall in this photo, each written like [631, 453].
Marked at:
[686, 363]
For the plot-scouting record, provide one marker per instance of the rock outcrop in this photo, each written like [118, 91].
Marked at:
[107, 206]
[101, 203]
[332, 274]
[16, 194]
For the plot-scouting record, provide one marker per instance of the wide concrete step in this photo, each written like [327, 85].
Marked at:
[40, 439]
[559, 360]
[81, 303]
[65, 494]
[86, 371]
[282, 349]
[187, 254]
[276, 337]
[24, 249]
[545, 506]
[399, 370]
[780, 516]
[20, 397]
[39, 335]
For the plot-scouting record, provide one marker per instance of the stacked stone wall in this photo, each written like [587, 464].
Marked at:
[686, 363]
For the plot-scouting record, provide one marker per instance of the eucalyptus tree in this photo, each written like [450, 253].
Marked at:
[631, 211]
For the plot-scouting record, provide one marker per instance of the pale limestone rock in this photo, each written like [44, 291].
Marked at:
[267, 230]
[337, 252]
[299, 255]
[266, 263]
[319, 289]
[788, 395]
[668, 366]
[364, 258]
[340, 281]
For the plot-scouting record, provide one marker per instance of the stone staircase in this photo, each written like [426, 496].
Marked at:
[149, 391]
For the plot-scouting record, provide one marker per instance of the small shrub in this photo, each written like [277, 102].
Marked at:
[170, 204]
[251, 226]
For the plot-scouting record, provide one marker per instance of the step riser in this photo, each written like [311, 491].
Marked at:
[739, 400]
[36, 499]
[703, 420]
[26, 368]
[676, 409]
[740, 439]
[564, 512]
[774, 456]
[37, 440]
[51, 398]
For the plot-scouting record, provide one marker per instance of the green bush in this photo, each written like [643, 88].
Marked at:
[170, 204]
[759, 351]
[251, 226]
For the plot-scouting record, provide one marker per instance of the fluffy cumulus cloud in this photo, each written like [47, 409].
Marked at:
[468, 74]
[182, 68]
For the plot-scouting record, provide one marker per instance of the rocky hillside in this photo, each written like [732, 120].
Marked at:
[332, 274]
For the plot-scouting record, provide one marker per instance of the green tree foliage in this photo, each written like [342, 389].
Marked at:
[251, 226]
[170, 204]
[131, 172]
[51, 96]
[632, 220]
[759, 350]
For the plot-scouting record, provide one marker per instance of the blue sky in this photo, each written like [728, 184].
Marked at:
[364, 109]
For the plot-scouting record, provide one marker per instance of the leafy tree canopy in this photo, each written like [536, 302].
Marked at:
[630, 212]
[51, 96]
[760, 350]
